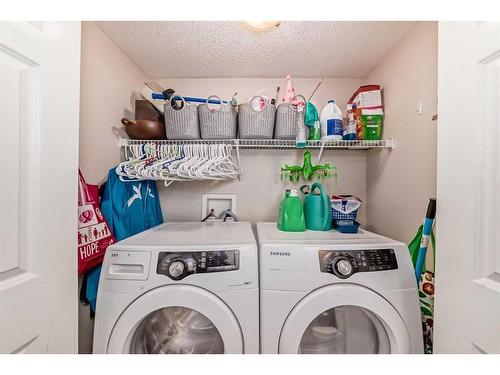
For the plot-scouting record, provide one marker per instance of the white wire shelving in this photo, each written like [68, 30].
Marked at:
[271, 144]
[262, 144]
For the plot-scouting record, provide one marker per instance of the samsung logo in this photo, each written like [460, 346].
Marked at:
[281, 253]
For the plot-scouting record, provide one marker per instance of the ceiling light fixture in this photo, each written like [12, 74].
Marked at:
[262, 25]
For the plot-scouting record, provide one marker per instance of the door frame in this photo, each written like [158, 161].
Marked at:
[328, 297]
[468, 175]
[39, 297]
[179, 295]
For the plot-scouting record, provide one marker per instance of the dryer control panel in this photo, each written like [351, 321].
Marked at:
[179, 265]
[344, 263]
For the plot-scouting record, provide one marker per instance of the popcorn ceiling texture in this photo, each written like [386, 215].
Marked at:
[219, 49]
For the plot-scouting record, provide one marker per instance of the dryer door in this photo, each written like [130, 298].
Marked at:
[177, 319]
[344, 318]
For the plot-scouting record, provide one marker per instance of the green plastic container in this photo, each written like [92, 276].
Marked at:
[315, 132]
[372, 126]
[317, 210]
[291, 215]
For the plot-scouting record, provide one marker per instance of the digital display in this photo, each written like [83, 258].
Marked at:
[220, 258]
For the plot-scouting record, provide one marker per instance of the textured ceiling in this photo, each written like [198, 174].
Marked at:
[216, 49]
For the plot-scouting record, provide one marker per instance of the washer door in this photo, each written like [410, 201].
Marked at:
[177, 319]
[344, 319]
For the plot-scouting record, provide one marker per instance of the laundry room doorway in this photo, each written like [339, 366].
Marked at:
[394, 174]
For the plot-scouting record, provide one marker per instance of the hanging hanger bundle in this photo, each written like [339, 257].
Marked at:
[174, 162]
[308, 170]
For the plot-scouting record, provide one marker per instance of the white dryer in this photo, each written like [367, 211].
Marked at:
[180, 288]
[328, 292]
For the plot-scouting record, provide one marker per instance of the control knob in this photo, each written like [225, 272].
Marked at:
[176, 269]
[343, 266]
[180, 267]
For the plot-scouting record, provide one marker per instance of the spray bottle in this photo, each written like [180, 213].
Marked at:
[350, 129]
[300, 140]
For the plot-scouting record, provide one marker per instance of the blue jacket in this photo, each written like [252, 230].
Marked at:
[130, 207]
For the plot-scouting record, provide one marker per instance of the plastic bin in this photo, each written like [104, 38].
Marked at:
[344, 207]
[346, 226]
[219, 123]
[181, 123]
[255, 124]
[288, 117]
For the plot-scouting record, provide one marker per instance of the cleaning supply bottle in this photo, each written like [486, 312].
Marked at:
[291, 215]
[300, 139]
[317, 210]
[315, 132]
[350, 129]
[331, 122]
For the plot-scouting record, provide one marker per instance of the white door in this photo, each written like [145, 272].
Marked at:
[344, 319]
[39, 117]
[467, 301]
[177, 319]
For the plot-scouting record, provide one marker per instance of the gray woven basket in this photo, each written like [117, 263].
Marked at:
[256, 124]
[217, 124]
[287, 118]
[182, 123]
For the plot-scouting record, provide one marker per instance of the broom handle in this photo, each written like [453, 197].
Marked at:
[426, 234]
[188, 99]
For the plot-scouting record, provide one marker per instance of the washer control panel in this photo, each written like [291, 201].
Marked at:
[179, 265]
[344, 263]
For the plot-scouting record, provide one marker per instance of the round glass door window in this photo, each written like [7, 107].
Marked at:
[176, 330]
[345, 330]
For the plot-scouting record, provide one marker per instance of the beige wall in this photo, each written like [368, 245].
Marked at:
[259, 194]
[400, 183]
[261, 176]
[109, 85]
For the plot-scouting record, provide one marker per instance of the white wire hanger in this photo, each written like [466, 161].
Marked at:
[173, 162]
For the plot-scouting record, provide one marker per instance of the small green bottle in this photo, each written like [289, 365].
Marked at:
[291, 215]
[315, 132]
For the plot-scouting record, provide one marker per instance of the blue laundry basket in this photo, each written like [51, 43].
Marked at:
[341, 214]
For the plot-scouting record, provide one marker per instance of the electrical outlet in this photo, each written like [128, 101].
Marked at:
[218, 203]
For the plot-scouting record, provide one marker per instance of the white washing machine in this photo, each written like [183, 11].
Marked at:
[180, 288]
[328, 292]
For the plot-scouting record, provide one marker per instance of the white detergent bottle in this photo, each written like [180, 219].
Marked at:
[331, 122]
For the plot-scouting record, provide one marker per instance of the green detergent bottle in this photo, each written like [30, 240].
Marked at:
[317, 210]
[291, 216]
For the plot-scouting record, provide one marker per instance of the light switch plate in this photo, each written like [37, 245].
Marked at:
[217, 202]
[420, 108]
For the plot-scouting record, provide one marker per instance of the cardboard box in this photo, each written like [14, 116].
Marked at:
[367, 97]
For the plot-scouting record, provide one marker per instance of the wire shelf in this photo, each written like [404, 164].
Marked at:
[272, 144]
